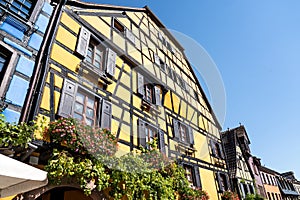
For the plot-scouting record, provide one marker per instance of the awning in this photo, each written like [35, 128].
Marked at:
[17, 177]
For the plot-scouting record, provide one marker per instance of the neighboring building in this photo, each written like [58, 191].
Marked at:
[119, 68]
[255, 164]
[290, 176]
[23, 25]
[23, 28]
[287, 186]
[236, 145]
[269, 178]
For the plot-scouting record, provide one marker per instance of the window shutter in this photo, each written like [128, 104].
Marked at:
[176, 128]
[110, 62]
[106, 114]
[156, 59]
[227, 183]
[213, 149]
[191, 135]
[140, 84]
[160, 36]
[157, 95]
[83, 41]
[161, 143]
[67, 98]
[142, 134]
[221, 188]
[242, 190]
[197, 176]
[130, 36]
[221, 151]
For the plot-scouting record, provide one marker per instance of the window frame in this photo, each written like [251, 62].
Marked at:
[66, 109]
[96, 45]
[142, 137]
[223, 181]
[8, 68]
[178, 126]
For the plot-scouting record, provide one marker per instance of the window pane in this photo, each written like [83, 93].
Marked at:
[89, 113]
[89, 122]
[77, 116]
[80, 98]
[78, 108]
[90, 103]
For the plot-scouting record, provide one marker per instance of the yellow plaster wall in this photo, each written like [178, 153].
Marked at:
[98, 24]
[45, 104]
[64, 57]
[66, 38]
[201, 146]
[208, 183]
[70, 23]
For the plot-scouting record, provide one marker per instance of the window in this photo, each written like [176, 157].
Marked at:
[4, 58]
[183, 132]
[223, 181]
[216, 149]
[149, 92]
[118, 26]
[193, 176]
[84, 105]
[94, 53]
[146, 134]
[19, 7]
[85, 108]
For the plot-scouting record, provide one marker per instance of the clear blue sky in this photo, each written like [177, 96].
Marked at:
[256, 46]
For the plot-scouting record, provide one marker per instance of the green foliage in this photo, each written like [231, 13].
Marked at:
[15, 135]
[253, 197]
[86, 155]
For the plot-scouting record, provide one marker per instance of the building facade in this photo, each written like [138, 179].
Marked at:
[236, 145]
[291, 176]
[22, 32]
[120, 68]
[269, 179]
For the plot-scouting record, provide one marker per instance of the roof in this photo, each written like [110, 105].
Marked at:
[268, 170]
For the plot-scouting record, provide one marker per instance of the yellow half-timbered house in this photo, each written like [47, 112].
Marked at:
[120, 68]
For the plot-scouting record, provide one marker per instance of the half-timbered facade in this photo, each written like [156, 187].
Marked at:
[120, 68]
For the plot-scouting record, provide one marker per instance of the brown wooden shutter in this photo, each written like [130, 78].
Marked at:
[197, 176]
[67, 98]
[213, 149]
[142, 133]
[83, 41]
[140, 84]
[110, 62]
[176, 128]
[157, 95]
[161, 143]
[106, 114]
[191, 135]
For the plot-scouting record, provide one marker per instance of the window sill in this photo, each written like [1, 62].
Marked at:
[149, 107]
[87, 68]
